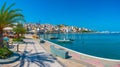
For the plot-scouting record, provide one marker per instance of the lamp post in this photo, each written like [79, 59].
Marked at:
[82, 36]
[44, 31]
[17, 44]
[17, 47]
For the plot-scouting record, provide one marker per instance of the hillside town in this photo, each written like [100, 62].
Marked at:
[49, 28]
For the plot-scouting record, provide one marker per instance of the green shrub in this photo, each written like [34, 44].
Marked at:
[5, 53]
[18, 39]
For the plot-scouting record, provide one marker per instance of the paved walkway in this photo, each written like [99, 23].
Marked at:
[33, 55]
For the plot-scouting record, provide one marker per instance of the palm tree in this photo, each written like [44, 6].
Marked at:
[7, 17]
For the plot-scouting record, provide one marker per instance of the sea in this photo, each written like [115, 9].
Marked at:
[103, 45]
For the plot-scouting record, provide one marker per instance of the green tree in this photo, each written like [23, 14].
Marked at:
[7, 17]
[61, 25]
[19, 30]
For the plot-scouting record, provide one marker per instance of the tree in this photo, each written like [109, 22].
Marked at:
[19, 30]
[7, 17]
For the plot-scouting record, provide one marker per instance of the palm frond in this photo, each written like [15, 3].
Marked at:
[8, 16]
[16, 20]
[7, 9]
[13, 16]
[14, 11]
[3, 8]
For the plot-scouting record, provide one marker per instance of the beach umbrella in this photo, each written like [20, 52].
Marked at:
[8, 28]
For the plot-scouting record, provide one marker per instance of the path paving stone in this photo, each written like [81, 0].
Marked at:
[33, 55]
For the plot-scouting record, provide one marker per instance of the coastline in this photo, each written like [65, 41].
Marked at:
[96, 61]
[100, 45]
[84, 54]
[66, 62]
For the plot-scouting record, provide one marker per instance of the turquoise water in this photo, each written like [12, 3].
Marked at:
[99, 45]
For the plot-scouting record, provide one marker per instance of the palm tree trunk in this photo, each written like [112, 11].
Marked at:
[17, 35]
[1, 37]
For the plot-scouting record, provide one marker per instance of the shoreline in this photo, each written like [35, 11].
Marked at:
[93, 60]
[84, 33]
[107, 59]
[65, 62]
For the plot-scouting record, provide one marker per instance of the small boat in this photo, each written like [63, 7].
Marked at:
[65, 40]
[54, 38]
[71, 39]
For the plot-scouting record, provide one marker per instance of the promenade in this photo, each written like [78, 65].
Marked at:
[33, 55]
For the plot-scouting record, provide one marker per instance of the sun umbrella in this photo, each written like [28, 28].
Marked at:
[8, 28]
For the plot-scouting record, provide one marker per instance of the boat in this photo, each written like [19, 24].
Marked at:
[64, 40]
[71, 39]
[54, 38]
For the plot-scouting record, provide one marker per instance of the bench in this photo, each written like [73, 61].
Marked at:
[59, 52]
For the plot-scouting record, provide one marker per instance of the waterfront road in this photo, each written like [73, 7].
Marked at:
[33, 55]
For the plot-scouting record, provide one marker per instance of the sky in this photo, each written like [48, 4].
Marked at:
[99, 15]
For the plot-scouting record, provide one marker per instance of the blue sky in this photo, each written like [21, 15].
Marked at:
[97, 15]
